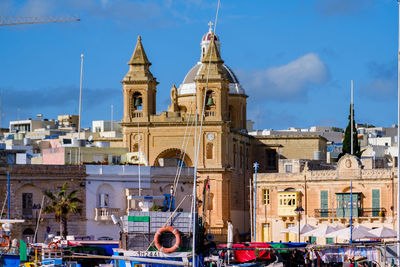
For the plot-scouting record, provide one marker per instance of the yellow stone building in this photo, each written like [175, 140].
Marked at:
[324, 194]
[225, 151]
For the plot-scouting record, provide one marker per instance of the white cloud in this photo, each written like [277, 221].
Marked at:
[342, 7]
[287, 81]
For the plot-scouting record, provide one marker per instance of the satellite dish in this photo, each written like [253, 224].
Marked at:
[90, 139]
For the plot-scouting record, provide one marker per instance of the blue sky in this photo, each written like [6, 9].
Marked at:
[294, 58]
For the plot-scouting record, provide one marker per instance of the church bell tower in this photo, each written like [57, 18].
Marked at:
[139, 88]
[212, 81]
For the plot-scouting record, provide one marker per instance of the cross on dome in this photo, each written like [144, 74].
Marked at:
[210, 24]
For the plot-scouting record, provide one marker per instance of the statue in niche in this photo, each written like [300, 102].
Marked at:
[174, 100]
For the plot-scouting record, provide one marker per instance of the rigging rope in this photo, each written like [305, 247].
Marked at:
[183, 159]
[4, 205]
[179, 167]
[197, 144]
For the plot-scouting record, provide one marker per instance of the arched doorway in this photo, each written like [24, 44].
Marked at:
[173, 157]
[28, 234]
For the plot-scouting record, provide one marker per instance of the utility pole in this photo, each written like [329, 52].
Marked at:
[398, 143]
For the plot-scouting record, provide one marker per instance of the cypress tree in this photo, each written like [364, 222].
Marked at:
[347, 139]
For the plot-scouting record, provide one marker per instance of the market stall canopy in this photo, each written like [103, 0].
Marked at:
[321, 231]
[384, 232]
[304, 228]
[358, 233]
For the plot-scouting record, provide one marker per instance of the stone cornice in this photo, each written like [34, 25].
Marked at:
[40, 171]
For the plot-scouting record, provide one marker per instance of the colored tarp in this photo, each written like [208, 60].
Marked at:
[138, 218]
[22, 250]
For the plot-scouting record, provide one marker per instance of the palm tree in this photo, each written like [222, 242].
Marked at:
[62, 204]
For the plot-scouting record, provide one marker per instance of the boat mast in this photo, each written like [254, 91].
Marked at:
[140, 184]
[197, 145]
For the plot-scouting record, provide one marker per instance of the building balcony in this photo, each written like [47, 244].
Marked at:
[137, 114]
[342, 214]
[104, 214]
[210, 113]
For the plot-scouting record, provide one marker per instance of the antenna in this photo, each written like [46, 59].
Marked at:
[80, 109]
[351, 119]
[112, 117]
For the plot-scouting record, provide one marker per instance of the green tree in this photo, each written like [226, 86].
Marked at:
[62, 204]
[347, 139]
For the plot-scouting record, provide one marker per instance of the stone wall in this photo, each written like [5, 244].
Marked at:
[35, 180]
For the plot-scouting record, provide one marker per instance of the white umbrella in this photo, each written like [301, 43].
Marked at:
[321, 231]
[362, 227]
[338, 227]
[304, 228]
[384, 232]
[358, 233]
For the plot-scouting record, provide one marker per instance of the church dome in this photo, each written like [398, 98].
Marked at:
[207, 37]
[188, 86]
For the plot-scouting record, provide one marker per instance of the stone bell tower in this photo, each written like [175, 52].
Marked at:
[139, 88]
[212, 81]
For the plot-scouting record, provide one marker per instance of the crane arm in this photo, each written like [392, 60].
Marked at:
[4, 21]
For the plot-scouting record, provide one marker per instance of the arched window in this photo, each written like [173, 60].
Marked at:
[210, 99]
[136, 103]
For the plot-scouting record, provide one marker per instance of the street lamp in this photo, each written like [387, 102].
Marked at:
[255, 165]
[298, 211]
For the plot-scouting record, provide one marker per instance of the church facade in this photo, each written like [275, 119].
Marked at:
[211, 93]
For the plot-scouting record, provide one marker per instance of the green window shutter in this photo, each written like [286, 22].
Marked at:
[376, 202]
[329, 240]
[324, 204]
[312, 239]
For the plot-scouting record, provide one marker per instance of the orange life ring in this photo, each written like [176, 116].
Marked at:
[177, 235]
[53, 244]
[7, 238]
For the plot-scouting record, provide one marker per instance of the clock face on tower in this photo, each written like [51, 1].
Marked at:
[210, 136]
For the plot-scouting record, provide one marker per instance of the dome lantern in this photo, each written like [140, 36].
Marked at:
[205, 41]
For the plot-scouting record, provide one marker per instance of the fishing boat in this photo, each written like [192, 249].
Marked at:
[9, 251]
[158, 237]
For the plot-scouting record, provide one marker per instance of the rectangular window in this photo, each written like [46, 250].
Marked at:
[27, 204]
[324, 204]
[270, 155]
[265, 196]
[376, 202]
[344, 204]
[288, 168]
[312, 239]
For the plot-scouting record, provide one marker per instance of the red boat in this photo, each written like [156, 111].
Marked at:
[249, 255]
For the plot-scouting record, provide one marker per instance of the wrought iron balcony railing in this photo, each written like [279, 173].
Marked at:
[345, 213]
